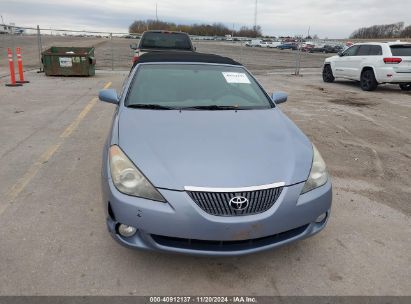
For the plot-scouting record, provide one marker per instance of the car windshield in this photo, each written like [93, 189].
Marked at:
[165, 40]
[179, 86]
[401, 50]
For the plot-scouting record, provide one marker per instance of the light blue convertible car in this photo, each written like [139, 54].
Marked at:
[200, 160]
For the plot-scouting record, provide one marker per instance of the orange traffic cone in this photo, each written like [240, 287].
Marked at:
[20, 65]
[13, 82]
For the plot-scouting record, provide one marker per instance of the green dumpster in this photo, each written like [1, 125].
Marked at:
[69, 61]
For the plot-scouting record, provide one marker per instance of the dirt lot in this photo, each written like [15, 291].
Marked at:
[53, 236]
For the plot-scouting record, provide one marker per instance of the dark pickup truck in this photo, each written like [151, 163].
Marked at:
[157, 41]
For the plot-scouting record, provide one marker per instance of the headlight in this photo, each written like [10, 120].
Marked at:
[318, 174]
[128, 179]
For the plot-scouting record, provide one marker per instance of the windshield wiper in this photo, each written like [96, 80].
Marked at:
[213, 107]
[150, 107]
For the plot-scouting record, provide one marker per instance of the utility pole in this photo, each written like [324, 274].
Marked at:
[255, 15]
[2, 20]
[156, 12]
[309, 28]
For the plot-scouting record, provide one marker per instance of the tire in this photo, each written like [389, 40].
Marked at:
[368, 81]
[328, 74]
[405, 86]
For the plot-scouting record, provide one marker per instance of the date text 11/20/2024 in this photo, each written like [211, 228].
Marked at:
[204, 299]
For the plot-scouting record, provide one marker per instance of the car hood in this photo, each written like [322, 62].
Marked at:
[226, 149]
[332, 58]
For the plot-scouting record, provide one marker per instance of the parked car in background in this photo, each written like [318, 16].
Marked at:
[160, 41]
[372, 64]
[131, 37]
[317, 49]
[288, 46]
[201, 160]
[274, 44]
[264, 44]
[333, 48]
[306, 47]
[269, 44]
[253, 43]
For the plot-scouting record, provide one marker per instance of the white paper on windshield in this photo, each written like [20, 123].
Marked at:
[232, 77]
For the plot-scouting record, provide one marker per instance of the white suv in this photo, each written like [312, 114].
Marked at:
[372, 64]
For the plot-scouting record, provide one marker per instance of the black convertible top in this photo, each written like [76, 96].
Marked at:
[181, 56]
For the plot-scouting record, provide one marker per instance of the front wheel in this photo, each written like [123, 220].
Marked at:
[328, 74]
[405, 86]
[368, 81]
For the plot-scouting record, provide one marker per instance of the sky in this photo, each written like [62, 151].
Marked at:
[326, 18]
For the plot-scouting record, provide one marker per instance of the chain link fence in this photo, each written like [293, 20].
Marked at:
[113, 52]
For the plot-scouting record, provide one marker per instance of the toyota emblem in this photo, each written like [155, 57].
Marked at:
[238, 203]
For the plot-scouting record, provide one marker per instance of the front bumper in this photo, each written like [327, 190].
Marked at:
[182, 226]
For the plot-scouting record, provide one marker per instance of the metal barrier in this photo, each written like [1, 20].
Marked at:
[113, 52]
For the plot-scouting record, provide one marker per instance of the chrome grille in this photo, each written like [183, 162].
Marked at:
[218, 203]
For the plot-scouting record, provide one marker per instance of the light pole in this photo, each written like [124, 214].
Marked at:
[255, 15]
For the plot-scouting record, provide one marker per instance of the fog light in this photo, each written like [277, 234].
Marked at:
[126, 230]
[321, 218]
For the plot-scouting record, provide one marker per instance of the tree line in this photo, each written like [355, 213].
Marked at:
[215, 29]
[383, 31]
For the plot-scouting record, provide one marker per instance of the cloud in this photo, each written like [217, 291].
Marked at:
[331, 18]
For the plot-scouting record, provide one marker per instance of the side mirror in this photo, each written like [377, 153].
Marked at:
[340, 53]
[279, 97]
[109, 95]
[133, 46]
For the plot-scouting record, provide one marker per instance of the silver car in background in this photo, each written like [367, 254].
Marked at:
[200, 160]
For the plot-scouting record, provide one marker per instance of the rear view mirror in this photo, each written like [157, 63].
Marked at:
[133, 46]
[279, 97]
[109, 95]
